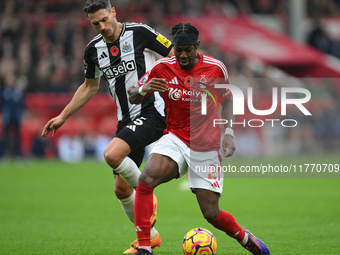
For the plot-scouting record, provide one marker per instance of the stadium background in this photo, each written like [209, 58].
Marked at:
[264, 44]
[42, 45]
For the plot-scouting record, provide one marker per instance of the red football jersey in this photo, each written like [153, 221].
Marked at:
[183, 99]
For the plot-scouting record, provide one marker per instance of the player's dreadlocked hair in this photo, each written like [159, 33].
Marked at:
[184, 28]
[92, 6]
[184, 34]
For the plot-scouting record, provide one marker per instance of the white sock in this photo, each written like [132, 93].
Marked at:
[148, 248]
[153, 233]
[129, 171]
[245, 239]
[128, 208]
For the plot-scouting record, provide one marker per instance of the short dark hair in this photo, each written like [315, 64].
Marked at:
[186, 28]
[92, 6]
[184, 34]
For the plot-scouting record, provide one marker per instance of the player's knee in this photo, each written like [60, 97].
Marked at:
[112, 157]
[210, 214]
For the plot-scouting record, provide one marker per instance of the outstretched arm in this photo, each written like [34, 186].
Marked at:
[83, 94]
[136, 95]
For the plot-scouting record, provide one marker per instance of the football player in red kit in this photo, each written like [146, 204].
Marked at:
[187, 83]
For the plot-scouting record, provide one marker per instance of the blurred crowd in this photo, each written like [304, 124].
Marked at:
[322, 40]
[42, 44]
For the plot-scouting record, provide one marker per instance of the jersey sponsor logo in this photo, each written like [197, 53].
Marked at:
[126, 48]
[192, 93]
[175, 94]
[174, 81]
[187, 95]
[163, 40]
[114, 51]
[120, 69]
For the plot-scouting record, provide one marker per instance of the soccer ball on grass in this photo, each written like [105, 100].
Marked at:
[199, 241]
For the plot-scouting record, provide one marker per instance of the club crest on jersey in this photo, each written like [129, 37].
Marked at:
[203, 81]
[126, 48]
[114, 51]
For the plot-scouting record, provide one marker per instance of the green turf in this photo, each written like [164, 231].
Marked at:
[58, 208]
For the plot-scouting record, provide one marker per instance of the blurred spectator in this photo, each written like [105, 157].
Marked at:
[13, 105]
[101, 140]
[319, 132]
[319, 8]
[88, 139]
[263, 6]
[41, 147]
[248, 143]
[71, 148]
[318, 37]
[7, 62]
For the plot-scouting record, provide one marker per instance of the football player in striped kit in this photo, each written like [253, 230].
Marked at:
[122, 52]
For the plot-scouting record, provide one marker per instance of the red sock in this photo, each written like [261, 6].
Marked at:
[227, 223]
[143, 212]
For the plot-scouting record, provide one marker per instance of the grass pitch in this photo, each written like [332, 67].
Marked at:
[57, 208]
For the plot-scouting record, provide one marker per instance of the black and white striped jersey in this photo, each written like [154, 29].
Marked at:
[124, 62]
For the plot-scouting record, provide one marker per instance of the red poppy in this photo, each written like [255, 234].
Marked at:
[188, 81]
[114, 51]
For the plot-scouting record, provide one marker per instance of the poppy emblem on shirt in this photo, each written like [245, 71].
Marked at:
[188, 81]
[114, 51]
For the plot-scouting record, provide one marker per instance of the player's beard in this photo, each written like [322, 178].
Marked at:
[186, 63]
[186, 67]
[107, 33]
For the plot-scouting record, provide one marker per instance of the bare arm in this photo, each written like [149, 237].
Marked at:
[158, 57]
[155, 84]
[228, 140]
[83, 94]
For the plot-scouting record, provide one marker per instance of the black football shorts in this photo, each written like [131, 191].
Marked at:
[139, 133]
